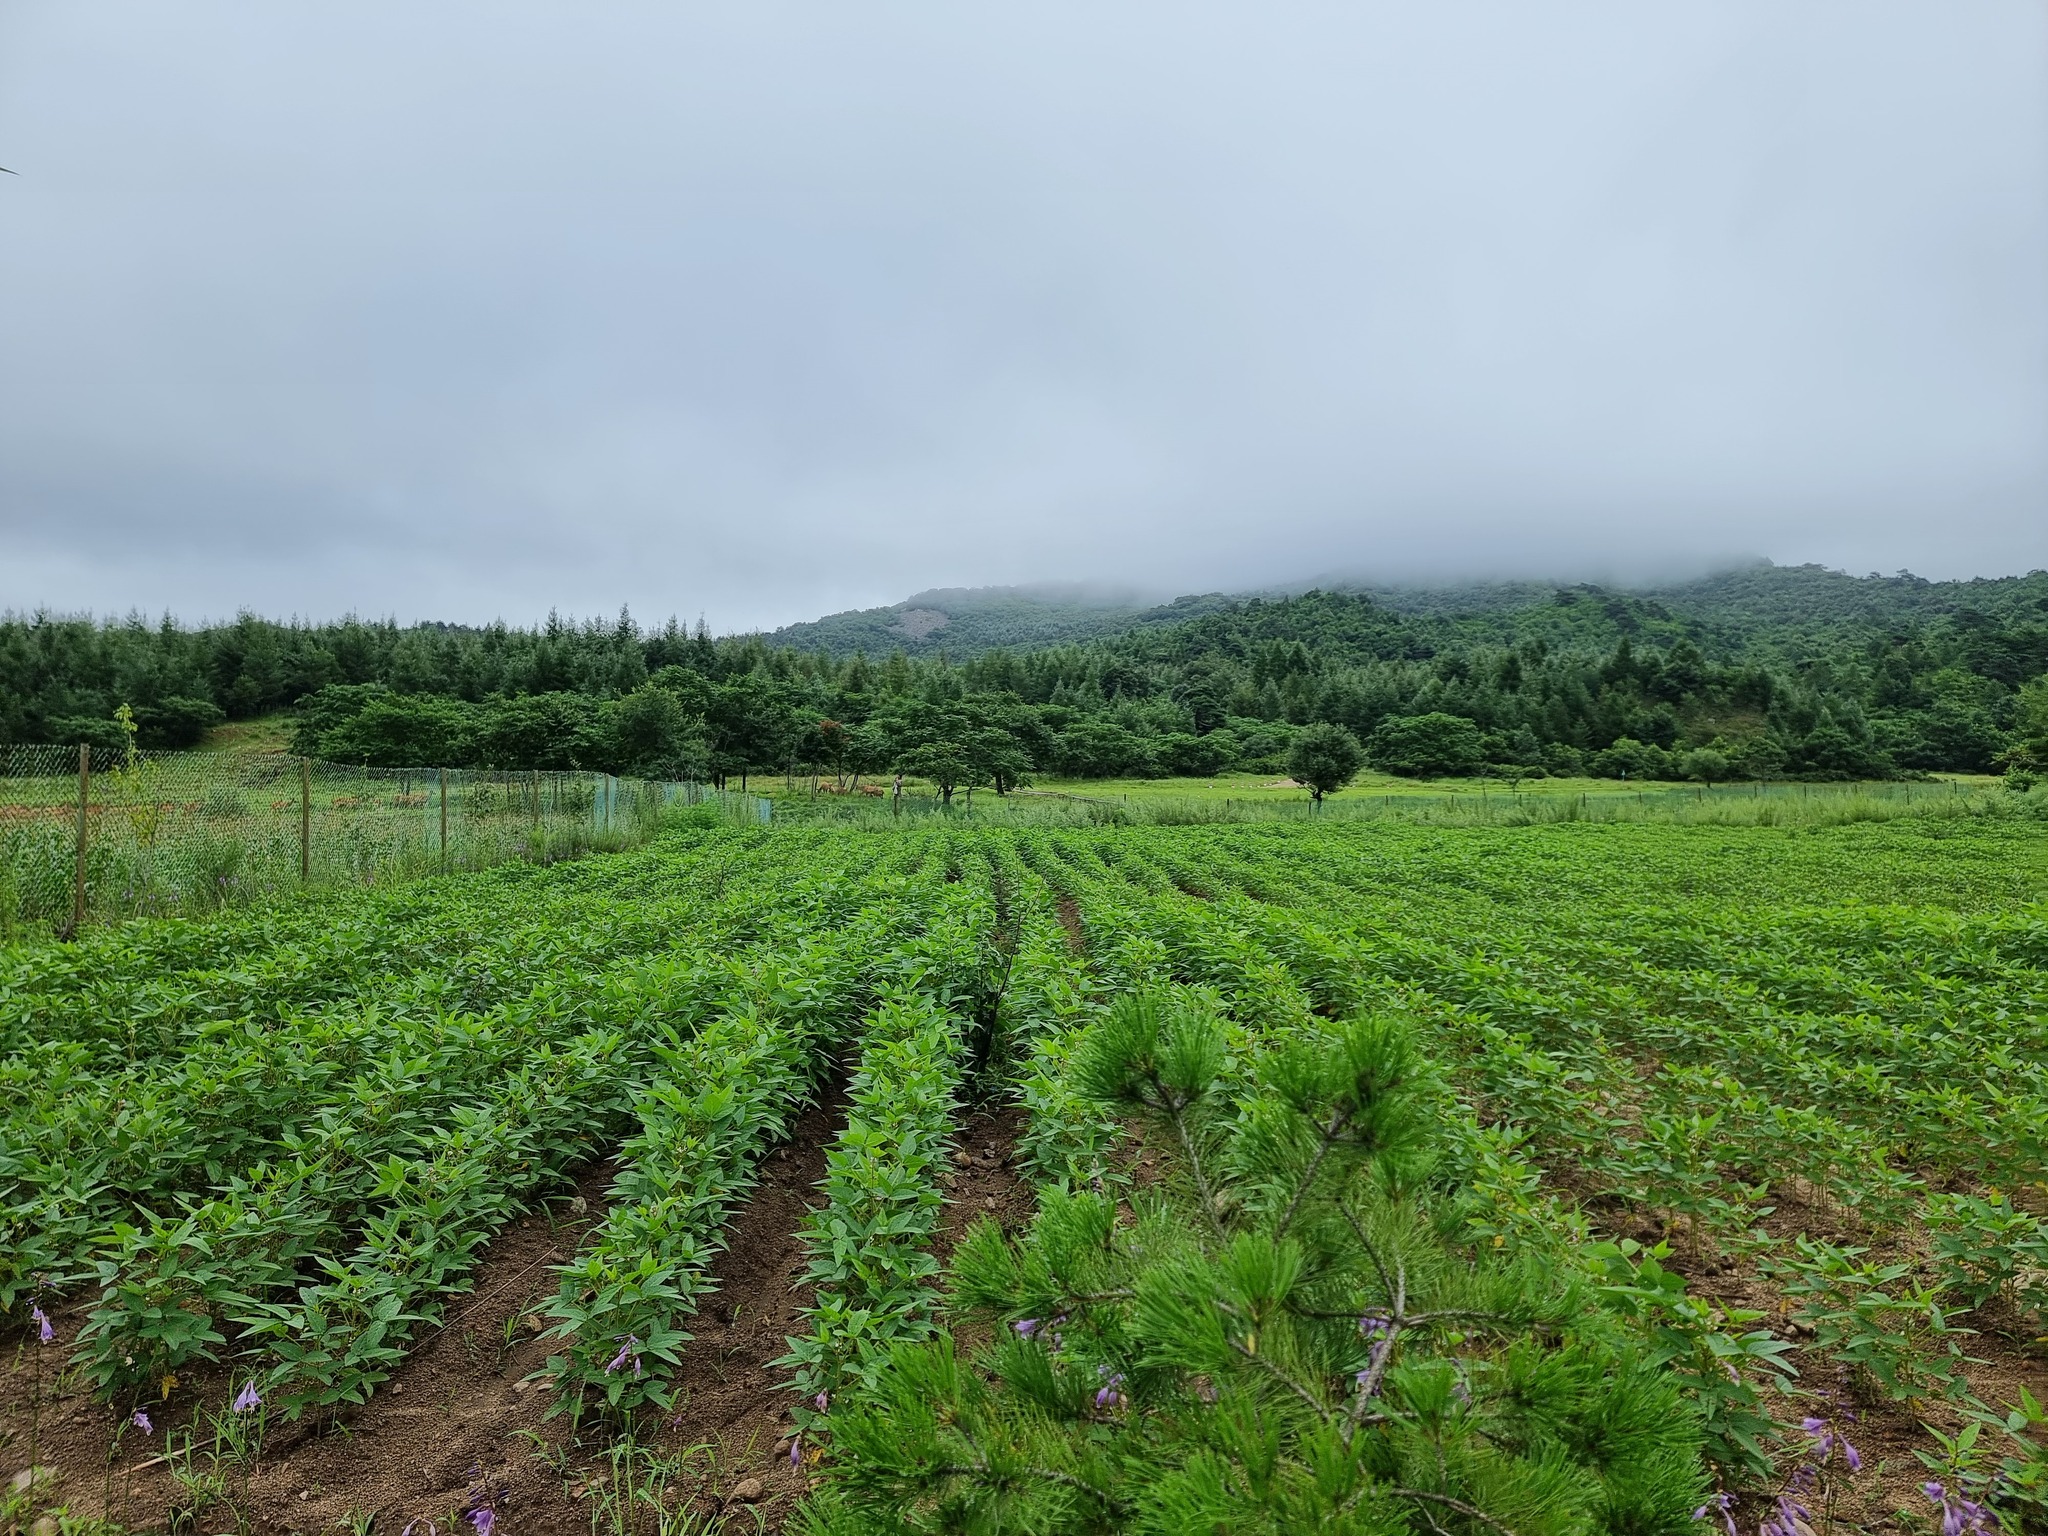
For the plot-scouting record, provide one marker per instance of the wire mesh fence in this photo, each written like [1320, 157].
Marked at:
[89, 836]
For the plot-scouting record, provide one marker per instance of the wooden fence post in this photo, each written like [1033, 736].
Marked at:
[305, 819]
[78, 864]
[444, 816]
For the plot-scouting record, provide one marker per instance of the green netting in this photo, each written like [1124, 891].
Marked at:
[162, 832]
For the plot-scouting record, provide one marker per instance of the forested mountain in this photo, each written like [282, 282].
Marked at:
[1750, 611]
[1766, 671]
[965, 621]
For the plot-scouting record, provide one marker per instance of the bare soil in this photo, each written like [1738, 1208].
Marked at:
[1070, 919]
[985, 1179]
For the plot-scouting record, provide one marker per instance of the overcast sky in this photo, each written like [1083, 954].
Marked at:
[472, 310]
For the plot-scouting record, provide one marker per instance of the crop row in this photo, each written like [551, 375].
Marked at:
[1585, 1070]
[82, 1147]
[371, 1154]
[869, 1242]
[704, 1120]
[293, 1152]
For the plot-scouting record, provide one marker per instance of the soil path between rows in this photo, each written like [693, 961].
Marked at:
[985, 1179]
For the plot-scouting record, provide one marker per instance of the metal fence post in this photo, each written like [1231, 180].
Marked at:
[444, 815]
[305, 819]
[78, 864]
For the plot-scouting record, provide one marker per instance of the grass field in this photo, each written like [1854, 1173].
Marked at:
[180, 833]
[651, 1193]
[267, 733]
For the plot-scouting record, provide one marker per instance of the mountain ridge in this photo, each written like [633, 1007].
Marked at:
[963, 622]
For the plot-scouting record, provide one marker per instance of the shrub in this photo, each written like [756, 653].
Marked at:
[176, 722]
[1427, 746]
[1632, 759]
[1195, 757]
[1706, 765]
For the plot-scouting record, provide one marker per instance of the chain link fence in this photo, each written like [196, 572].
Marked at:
[88, 836]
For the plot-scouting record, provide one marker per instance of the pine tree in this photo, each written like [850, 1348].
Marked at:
[1292, 1333]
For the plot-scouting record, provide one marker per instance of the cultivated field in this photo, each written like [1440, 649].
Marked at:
[621, 1194]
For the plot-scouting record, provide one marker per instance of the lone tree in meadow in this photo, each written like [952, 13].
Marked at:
[1325, 758]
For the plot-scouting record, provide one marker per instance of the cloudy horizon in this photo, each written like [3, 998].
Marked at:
[481, 311]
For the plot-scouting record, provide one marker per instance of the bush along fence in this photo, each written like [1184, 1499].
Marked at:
[88, 835]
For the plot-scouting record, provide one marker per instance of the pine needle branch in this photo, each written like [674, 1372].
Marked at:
[1471, 1512]
[1330, 1133]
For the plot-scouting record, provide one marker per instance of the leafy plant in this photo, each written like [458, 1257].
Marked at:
[1874, 1318]
[2014, 1485]
[1720, 1361]
[869, 1240]
[1986, 1249]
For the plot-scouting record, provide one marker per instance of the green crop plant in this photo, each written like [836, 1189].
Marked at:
[1725, 1366]
[869, 1241]
[1873, 1317]
[726, 1094]
[343, 1334]
[622, 1300]
[1695, 1077]
[1988, 1250]
[239, 1093]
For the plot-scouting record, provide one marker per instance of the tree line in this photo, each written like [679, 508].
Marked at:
[1578, 681]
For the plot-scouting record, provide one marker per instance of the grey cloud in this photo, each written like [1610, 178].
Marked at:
[759, 311]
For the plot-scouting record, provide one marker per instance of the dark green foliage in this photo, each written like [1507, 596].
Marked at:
[103, 736]
[1325, 757]
[542, 730]
[1291, 1334]
[176, 722]
[654, 737]
[2026, 760]
[1427, 746]
[1096, 748]
[646, 732]
[1798, 672]
[392, 730]
[953, 744]
[1632, 759]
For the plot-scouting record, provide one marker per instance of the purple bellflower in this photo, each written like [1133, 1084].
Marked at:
[628, 1350]
[1722, 1504]
[1960, 1516]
